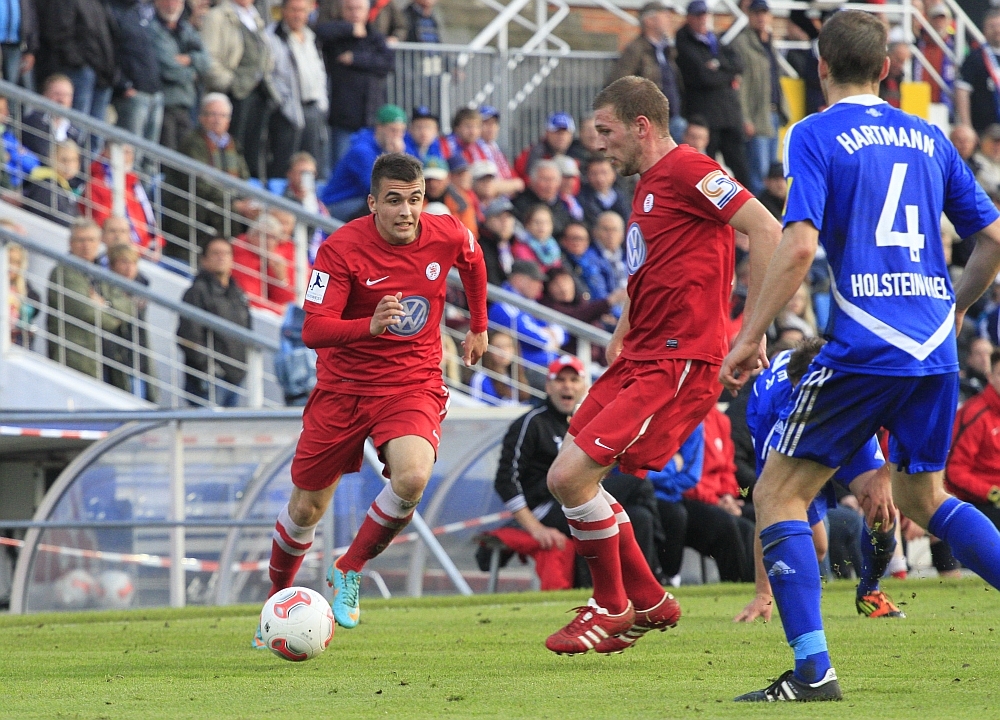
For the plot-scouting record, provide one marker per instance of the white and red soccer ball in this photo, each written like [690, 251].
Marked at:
[296, 624]
[115, 590]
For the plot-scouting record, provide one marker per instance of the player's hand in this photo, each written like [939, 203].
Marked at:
[959, 320]
[473, 347]
[549, 538]
[388, 312]
[874, 493]
[743, 360]
[759, 607]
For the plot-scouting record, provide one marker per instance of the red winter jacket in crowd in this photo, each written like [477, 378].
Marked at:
[138, 209]
[974, 463]
[718, 474]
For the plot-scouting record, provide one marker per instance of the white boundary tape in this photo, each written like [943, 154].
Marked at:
[12, 431]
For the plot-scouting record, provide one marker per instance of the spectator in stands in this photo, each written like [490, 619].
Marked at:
[775, 190]
[423, 22]
[460, 176]
[899, 58]
[16, 161]
[97, 201]
[609, 236]
[264, 264]
[543, 189]
[441, 195]
[19, 41]
[139, 89]
[24, 300]
[805, 62]
[507, 182]
[536, 244]
[500, 381]
[652, 55]
[466, 129]
[346, 192]
[569, 186]
[384, 16]
[975, 370]
[592, 273]
[496, 238]
[975, 91]
[599, 193]
[558, 140]
[562, 296]
[484, 184]
[240, 67]
[77, 310]
[116, 230]
[422, 140]
[939, 16]
[358, 60]
[529, 448]
[77, 40]
[210, 143]
[130, 367]
[987, 160]
[966, 141]
[762, 101]
[43, 129]
[299, 79]
[294, 363]
[697, 134]
[710, 70]
[213, 291]
[539, 340]
[798, 314]
[52, 191]
[973, 472]
[183, 62]
[300, 190]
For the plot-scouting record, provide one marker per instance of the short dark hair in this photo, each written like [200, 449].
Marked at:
[572, 224]
[217, 238]
[632, 96]
[853, 44]
[465, 114]
[994, 358]
[395, 166]
[803, 354]
[698, 120]
[990, 14]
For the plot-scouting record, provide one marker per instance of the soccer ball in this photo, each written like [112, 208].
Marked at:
[296, 623]
[75, 589]
[116, 590]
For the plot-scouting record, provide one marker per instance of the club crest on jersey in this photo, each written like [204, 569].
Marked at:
[647, 204]
[433, 271]
[719, 188]
[635, 249]
[317, 286]
[417, 309]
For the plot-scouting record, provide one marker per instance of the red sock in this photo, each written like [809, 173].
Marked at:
[386, 517]
[641, 585]
[289, 544]
[595, 537]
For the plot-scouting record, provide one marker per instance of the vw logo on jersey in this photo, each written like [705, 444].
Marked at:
[433, 271]
[635, 249]
[417, 309]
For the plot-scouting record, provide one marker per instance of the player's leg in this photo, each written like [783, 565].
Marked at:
[294, 532]
[877, 548]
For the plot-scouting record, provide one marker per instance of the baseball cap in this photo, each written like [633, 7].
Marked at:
[697, 7]
[437, 208]
[656, 6]
[390, 113]
[939, 10]
[423, 112]
[527, 268]
[560, 121]
[759, 6]
[484, 168]
[498, 207]
[562, 362]
[776, 170]
[488, 111]
[435, 168]
[567, 166]
[457, 163]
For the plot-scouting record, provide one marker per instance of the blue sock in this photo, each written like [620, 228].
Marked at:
[876, 552]
[790, 559]
[974, 540]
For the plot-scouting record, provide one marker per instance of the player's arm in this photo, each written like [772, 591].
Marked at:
[763, 601]
[472, 269]
[962, 106]
[785, 273]
[757, 223]
[980, 271]
[614, 348]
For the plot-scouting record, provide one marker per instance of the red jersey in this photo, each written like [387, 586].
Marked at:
[355, 268]
[268, 293]
[680, 254]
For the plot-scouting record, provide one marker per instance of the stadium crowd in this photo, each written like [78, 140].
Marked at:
[263, 89]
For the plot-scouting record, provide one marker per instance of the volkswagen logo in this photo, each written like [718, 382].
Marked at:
[417, 309]
[635, 249]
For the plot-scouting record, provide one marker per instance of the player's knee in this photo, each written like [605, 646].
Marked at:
[558, 480]
[409, 484]
[306, 510]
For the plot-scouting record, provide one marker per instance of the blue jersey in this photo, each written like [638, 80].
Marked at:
[874, 181]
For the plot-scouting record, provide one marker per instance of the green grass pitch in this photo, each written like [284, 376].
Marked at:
[482, 657]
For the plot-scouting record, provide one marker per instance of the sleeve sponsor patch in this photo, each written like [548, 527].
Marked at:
[719, 188]
[318, 283]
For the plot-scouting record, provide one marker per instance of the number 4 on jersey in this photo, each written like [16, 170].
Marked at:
[885, 236]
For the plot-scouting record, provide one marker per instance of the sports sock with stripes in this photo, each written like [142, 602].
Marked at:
[877, 548]
[289, 544]
[641, 585]
[386, 517]
[594, 531]
[974, 540]
[790, 561]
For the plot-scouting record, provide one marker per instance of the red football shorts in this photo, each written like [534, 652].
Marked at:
[335, 427]
[639, 413]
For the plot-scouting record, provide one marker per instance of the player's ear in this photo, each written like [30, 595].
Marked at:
[885, 70]
[371, 204]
